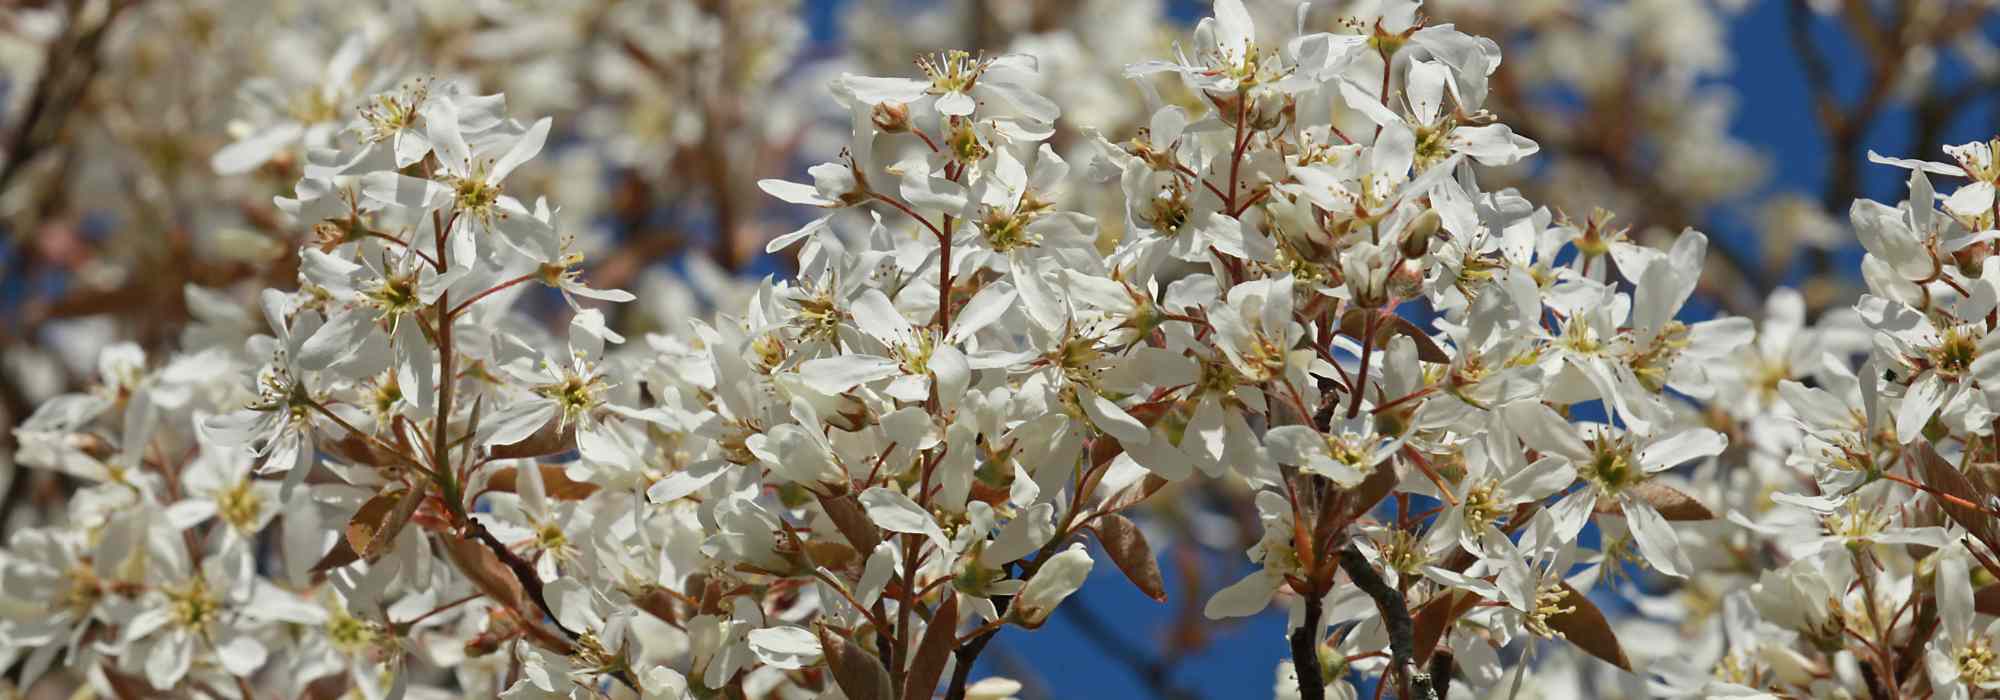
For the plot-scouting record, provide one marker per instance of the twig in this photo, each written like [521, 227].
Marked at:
[1305, 653]
[1395, 615]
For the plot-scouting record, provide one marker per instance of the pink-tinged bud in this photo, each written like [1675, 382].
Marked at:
[891, 117]
[1407, 280]
[1055, 581]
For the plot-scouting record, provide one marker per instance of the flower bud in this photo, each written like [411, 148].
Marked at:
[1366, 275]
[1418, 234]
[1267, 108]
[1406, 281]
[1061, 576]
[891, 117]
[851, 413]
[1972, 258]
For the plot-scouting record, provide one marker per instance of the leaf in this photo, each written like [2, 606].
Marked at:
[1585, 627]
[1987, 599]
[546, 441]
[125, 687]
[368, 520]
[353, 448]
[1672, 503]
[1365, 495]
[393, 524]
[1943, 476]
[486, 571]
[1128, 549]
[858, 673]
[852, 521]
[1433, 619]
[341, 555]
[940, 639]
[1355, 322]
[554, 478]
[831, 554]
[1134, 494]
[659, 603]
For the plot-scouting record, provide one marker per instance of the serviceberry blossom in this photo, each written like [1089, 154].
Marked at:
[1282, 273]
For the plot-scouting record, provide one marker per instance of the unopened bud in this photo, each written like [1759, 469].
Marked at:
[891, 117]
[1407, 280]
[851, 414]
[1973, 257]
[1061, 576]
[1267, 108]
[1418, 235]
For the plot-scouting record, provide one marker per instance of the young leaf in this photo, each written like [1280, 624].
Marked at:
[1128, 549]
[554, 478]
[392, 524]
[546, 441]
[940, 640]
[858, 673]
[1672, 503]
[486, 571]
[1584, 626]
[1942, 475]
[368, 520]
[1355, 322]
[1432, 619]
[852, 520]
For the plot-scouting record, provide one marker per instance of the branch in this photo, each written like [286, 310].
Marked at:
[1305, 653]
[969, 653]
[1395, 614]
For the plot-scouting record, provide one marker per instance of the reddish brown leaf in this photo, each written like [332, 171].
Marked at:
[1364, 496]
[940, 639]
[392, 524]
[1987, 599]
[852, 520]
[368, 520]
[485, 570]
[1584, 626]
[831, 554]
[1672, 503]
[659, 603]
[1353, 324]
[341, 555]
[1433, 619]
[545, 442]
[358, 450]
[858, 673]
[125, 687]
[1135, 494]
[1941, 475]
[1128, 549]
[555, 480]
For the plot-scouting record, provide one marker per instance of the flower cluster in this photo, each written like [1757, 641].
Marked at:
[1462, 420]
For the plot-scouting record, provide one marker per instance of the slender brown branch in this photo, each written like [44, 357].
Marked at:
[1395, 612]
[1305, 652]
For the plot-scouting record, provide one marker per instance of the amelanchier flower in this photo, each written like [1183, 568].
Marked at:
[1462, 419]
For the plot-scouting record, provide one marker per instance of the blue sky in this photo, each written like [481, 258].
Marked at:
[1774, 111]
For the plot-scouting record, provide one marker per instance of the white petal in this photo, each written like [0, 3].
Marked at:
[523, 149]
[785, 647]
[1656, 539]
[835, 375]
[1243, 598]
[247, 154]
[1107, 416]
[895, 512]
